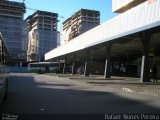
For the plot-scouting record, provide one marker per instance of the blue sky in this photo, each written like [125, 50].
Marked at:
[65, 8]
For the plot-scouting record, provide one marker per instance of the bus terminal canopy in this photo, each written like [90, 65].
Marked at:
[121, 29]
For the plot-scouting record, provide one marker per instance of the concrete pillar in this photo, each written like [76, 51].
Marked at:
[73, 64]
[87, 69]
[107, 63]
[64, 66]
[20, 64]
[73, 68]
[145, 58]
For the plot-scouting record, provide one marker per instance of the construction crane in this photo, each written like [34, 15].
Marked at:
[33, 9]
[29, 7]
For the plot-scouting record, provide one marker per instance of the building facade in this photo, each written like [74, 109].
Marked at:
[3, 52]
[42, 34]
[79, 22]
[11, 27]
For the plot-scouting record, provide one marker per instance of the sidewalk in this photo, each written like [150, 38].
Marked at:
[127, 84]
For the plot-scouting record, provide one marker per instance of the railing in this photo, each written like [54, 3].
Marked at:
[142, 17]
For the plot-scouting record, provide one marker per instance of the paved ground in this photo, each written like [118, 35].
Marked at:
[33, 93]
[127, 84]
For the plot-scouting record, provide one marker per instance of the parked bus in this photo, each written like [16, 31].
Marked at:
[44, 67]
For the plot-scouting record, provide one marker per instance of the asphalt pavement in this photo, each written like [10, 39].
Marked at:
[54, 94]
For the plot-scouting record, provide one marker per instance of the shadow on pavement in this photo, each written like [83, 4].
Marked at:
[28, 95]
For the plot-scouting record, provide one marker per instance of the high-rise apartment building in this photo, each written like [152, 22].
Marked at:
[3, 51]
[42, 34]
[79, 22]
[11, 27]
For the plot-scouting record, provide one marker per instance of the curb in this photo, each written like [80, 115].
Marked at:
[146, 91]
[127, 89]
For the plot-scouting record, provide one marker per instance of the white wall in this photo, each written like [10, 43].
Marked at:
[117, 4]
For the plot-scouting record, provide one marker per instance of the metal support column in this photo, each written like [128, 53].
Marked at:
[87, 67]
[73, 64]
[64, 66]
[73, 68]
[107, 63]
[145, 58]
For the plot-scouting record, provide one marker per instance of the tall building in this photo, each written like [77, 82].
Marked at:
[11, 27]
[42, 34]
[3, 51]
[79, 22]
[25, 39]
